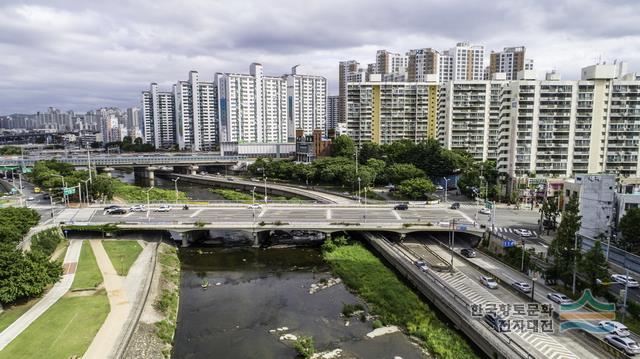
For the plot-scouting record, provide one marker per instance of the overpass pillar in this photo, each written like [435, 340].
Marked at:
[193, 169]
[151, 175]
[108, 171]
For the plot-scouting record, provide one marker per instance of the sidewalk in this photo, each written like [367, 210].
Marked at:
[58, 290]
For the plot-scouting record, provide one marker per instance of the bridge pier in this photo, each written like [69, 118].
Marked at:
[108, 171]
[151, 175]
[194, 169]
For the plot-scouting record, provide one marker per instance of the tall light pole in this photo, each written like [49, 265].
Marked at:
[446, 188]
[253, 195]
[64, 185]
[575, 263]
[359, 202]
[264, 175]
[148, 202]
[453, 239]
[86, 192]
[523, 250]
[175, 182]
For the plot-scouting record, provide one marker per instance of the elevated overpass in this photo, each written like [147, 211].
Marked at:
[128, 160]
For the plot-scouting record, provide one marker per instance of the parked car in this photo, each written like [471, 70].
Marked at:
[254, 206]
[488, 282]
[422, 265]
[522, 286]
[523, 232]
[163, 208]
[111, 207]
[230, 179]
[401, 206]
[439, 188]
[254, 179]
[627, 345]
[625, 280]
[117, 211]
[613, 327]
[468, 252]
[31, 198]
[138, 208]
[496, 322]
[455, 205]
[559, 298]
[485, 210]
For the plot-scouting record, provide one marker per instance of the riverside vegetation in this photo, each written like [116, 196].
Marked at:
[391, 300]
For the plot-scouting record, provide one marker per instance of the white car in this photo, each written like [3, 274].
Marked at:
[559, 298]
[485, 210]
[31, 199]
[613, 327]
[627, 345]
[488, 282]
[163, 208]
[522, 286]
[422, 265]
[254, 206]
[625, 280]
[138, 208]
[439, 188]
[523, 232]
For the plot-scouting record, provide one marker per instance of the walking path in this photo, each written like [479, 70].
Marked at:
[125, 294]
[58, 290]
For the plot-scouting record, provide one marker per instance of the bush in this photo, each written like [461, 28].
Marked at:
[46, 242]
[349, 309]
[304, 347]
[377, 324]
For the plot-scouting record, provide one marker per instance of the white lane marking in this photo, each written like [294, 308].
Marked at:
[395, 213]
[465, 216]
[262, 212]
[329, 213]
[195, 213]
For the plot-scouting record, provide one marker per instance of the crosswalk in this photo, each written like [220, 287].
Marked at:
[510, 230]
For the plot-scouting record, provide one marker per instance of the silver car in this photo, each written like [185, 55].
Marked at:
[522, 286]
[488, 282]
[613, 327]
[559, 298]
[627, 345]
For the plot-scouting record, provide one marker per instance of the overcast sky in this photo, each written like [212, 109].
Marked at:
[83, 55]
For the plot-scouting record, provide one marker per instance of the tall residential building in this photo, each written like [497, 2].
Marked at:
[390, 63]
[196, 114]
[462, 62]
[333, 113]
[252, 107]
[469, 117]
[384, 112]
[510, 61]
[158, 116]
[421, 63]
[133, 121]
[346, 72]
[307, 101]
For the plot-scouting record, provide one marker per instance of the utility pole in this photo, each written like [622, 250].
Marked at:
[575, 263]
[264, 175]
[453, 239]
[446, 188]
[626, 290]
[360, 202]
[89, 164]
[523, 250]
[80, 194]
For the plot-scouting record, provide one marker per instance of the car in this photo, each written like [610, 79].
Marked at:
[138, 208]
[523, 232]
[439, 188]
[625, 280]
[422, 265]
[401, 206]
[455, 205]
[253, 179]
[254, 206]
[31, 198]
[488, 282]
[559, 298]
[117, 211]
[496, 322]
[468, 252]
[485, 210]
[204, 173]
[522, 286]
[627, 345]
[230, 179]
[613, 327]
[110, 207]
[163, 208]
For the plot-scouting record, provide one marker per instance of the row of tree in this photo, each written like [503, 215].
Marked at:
[10, 150]
[49, 175]
[22, 275]
[128, 144]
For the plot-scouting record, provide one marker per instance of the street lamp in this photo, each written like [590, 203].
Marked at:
[175, 182]
[446, 188]
[253, 195]
[523, 250]
[575, 263]
[359, 202]
[148, 204]
[64, 186]
[86, 187]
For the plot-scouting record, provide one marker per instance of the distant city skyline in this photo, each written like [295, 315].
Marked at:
[85, 56]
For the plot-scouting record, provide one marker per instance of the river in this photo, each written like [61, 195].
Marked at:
[254, 291]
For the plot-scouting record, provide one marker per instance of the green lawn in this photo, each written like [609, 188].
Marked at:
[10, 314]
[64, 330]
[122, 254]
[88, 274]
[393, 301]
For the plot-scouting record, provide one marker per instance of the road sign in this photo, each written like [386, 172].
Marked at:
[69, 190]
[488, 204]
[508, 243]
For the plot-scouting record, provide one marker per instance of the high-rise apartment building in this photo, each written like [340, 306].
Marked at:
[196, 114]
[252, 107]
[462, 62]
[422, 63]
[333, 113]
[307, 101]
[347, 70]
[384, 112]
[509, 61]
[158, 116]
[390, 63]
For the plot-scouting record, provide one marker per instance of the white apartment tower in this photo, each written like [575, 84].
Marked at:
[253, 107]
[347, 70]
[158, 116]
[509, 61]
[307, 101]
[196, 114]
[390, 63]
[421, 64]
[462, 62]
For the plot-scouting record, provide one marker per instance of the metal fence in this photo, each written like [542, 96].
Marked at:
[617, 256]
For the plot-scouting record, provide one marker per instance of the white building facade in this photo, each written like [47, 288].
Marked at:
[196, 114]
[307, 102]
[158, 117]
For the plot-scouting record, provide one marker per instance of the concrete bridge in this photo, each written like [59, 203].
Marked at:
[128, 160]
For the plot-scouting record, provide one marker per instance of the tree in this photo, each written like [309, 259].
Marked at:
[368, 151]
[400, 172]
[594, 266]
[378, 166]
[630, 228]
[343, 146]
[550, 213]
[562, 246]
[416, 188]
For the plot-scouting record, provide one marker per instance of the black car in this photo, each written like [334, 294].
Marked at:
[468, 252]
[111, 207]
[401, 206]
[455, 205]
[496, 322]
[117, 210]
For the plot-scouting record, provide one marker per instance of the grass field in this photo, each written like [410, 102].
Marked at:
[122, 254]
[87, 274]
[10, 314]
[393, 301]
[63, 331]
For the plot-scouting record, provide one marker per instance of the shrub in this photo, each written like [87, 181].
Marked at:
[304, 347]
[377, 324]
[46, 242]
